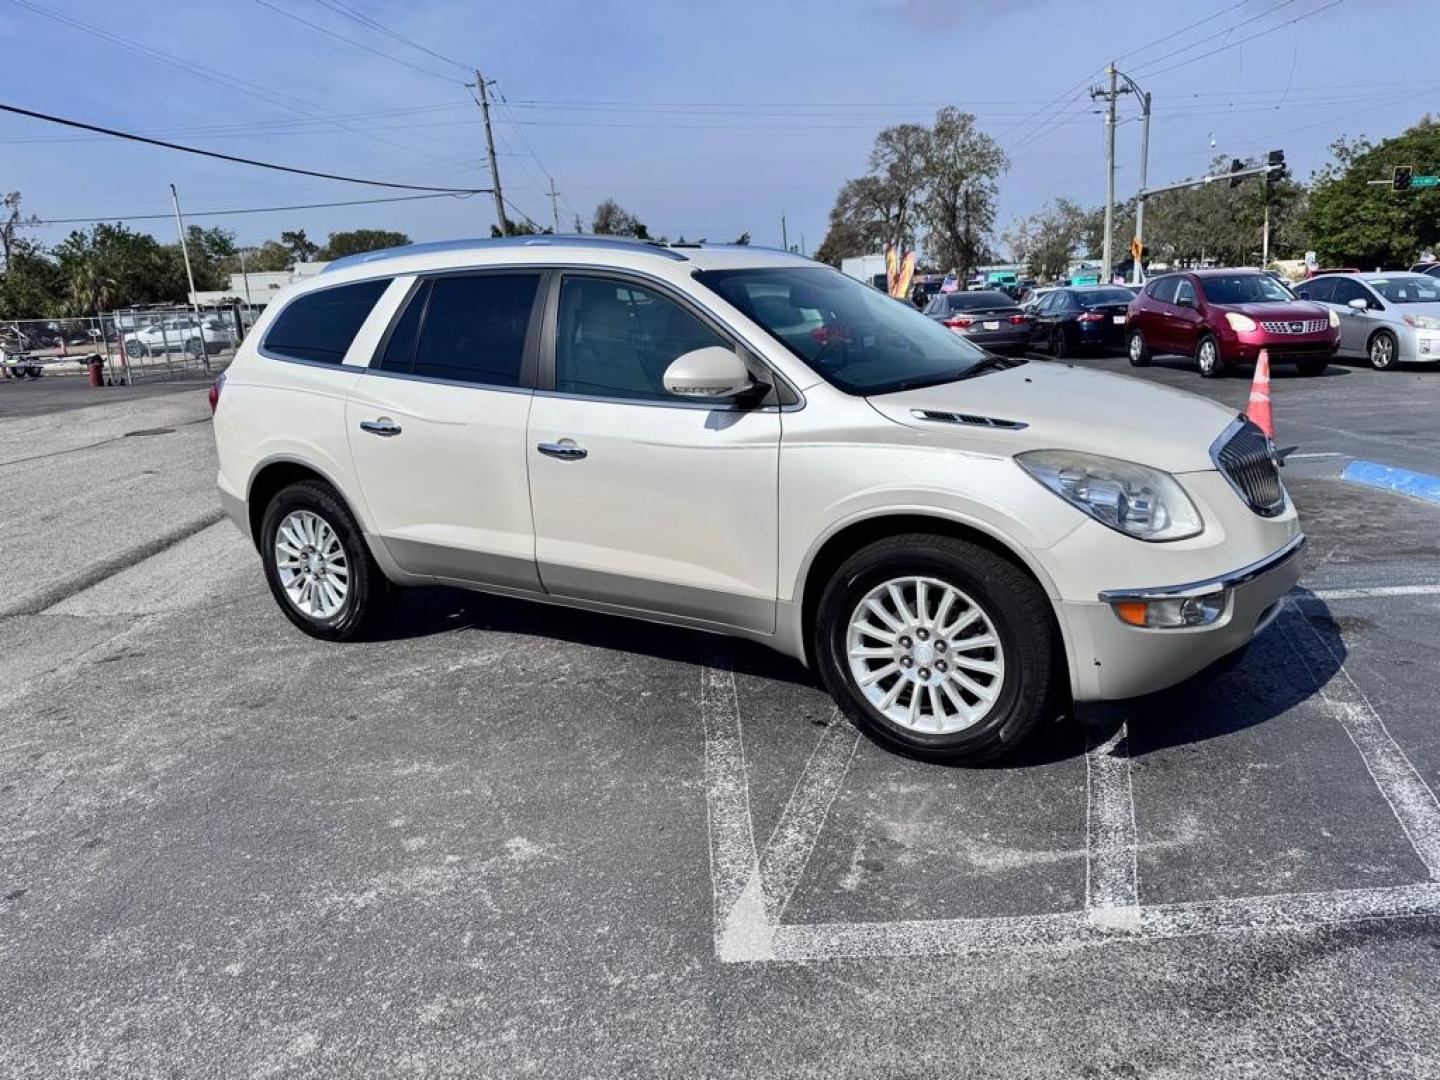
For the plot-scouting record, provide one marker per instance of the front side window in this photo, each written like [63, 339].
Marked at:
[319, 326]
[1320, 290]
[616, 339]
[857, 339]
[1245, 289]
[1347, 289]
[466, 328]
[1163, 289]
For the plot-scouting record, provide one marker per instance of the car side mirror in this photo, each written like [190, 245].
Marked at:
[708, 373]
[1185, 301]
[1359, 304]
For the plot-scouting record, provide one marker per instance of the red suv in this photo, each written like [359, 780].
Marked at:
[1224, 317]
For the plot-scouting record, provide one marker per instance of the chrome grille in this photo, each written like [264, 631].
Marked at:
[1295, 326]
[1243, 457]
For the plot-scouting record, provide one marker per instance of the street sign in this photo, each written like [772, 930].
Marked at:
[1425, 181]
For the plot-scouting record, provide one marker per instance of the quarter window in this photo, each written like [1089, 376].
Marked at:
[1163, 289]
[615, 339]
[466, 328]
[319, 326]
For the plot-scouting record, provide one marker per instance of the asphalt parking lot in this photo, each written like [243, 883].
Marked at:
[514, 840]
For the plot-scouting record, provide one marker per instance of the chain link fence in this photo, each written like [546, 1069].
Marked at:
[133, 345]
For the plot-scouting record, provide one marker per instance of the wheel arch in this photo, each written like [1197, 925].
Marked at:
[854, 534]
[274, 475]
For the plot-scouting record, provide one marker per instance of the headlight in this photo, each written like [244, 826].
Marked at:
[1422, 322]
[1334, 318]
[1241, 323]
[1134, 499]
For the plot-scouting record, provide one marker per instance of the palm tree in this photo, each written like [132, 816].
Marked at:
[90, 288]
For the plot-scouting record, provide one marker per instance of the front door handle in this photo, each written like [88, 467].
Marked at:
[565, 450]
[384, 427]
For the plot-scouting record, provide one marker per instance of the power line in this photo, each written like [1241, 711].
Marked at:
[230, 82]
[351, 41]
[1184, 29]
[245, 210]
[1259, 34]
[231, 157]
[364, 20]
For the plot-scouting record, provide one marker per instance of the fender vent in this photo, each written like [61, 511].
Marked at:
[968, 419]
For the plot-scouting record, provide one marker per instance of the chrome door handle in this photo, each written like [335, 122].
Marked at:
[384, 427]
[565, 451]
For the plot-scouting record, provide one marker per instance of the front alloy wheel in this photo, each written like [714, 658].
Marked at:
[1382, 352]
[939, 648]
[1207, 358]
[925, 655]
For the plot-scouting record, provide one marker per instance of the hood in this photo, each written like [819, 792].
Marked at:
[1278, 312]
[1070, 408]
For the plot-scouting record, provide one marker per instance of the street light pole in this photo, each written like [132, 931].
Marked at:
[190, 277]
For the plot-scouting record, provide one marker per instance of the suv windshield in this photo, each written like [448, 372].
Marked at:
[853, 336]
[1407, 288]
[1244, 289]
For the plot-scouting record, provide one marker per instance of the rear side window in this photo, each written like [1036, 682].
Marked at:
[468, 328]
[1163, 289]
[319, 326]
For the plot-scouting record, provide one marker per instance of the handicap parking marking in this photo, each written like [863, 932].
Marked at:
[752, 886]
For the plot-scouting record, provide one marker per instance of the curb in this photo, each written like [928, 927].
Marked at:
[1388, 478]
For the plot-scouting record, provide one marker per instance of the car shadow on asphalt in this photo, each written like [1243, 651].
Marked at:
[1237, 692]
[1285, 666]
[439, 610]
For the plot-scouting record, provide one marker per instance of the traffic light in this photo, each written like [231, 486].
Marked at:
[1275, 161]
[1400, 179]
[1235, 166]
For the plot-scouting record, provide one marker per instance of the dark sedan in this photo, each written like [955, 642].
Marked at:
[990, 319]
[1079, 318]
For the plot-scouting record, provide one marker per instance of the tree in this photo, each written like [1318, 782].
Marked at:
[520, 228]
[861, 221]
[962, 167]
[743, 239]
[11, 221]
[612, 219]
[1352, 223]
[358, 241]
[138, 267]
[901, 161]
[32, 285]
[1048, 240]
[300, 246]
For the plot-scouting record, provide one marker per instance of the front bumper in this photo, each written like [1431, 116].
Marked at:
[1113, 659]
[1245, 347]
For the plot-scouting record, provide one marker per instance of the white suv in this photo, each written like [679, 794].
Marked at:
[747, 442]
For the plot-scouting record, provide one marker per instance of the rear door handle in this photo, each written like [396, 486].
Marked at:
[564, 450]
[384, 427]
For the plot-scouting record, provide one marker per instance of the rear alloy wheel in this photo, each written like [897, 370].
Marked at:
[1137, 350]
[1060, 347]
[1383, 351]
[317, 565]
[1207, 358]
[938, 648]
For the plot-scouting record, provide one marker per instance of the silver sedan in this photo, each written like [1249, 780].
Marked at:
[1388, 319]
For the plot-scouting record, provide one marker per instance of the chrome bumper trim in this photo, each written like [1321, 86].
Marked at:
[1209, 585]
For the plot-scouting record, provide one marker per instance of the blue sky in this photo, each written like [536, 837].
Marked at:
[704, 119]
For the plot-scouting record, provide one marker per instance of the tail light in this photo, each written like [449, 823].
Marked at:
[959, 323]
[214, 395]
[1091, 316]
[1019, 320]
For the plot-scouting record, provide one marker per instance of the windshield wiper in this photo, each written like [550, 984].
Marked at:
[987, 363]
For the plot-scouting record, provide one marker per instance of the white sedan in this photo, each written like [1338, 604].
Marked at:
[180, 334]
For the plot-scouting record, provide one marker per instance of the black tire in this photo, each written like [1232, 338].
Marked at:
[1061, 346]
[368, 592]
[1209, 359]
[1312, 366]
[1137, 350]
[1033, 684]
[135, 350]
[1384, 351]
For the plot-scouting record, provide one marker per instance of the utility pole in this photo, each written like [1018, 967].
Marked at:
[190, 277]
[554, 206]
[1135, 271]
[1110, 96]
[784, 236]
[484, 96]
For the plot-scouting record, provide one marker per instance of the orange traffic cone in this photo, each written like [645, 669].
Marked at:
[1259, 408]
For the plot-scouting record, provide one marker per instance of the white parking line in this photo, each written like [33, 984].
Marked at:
[1111, 874]
[1411, 800]
[1370, 592]
[788, 850]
